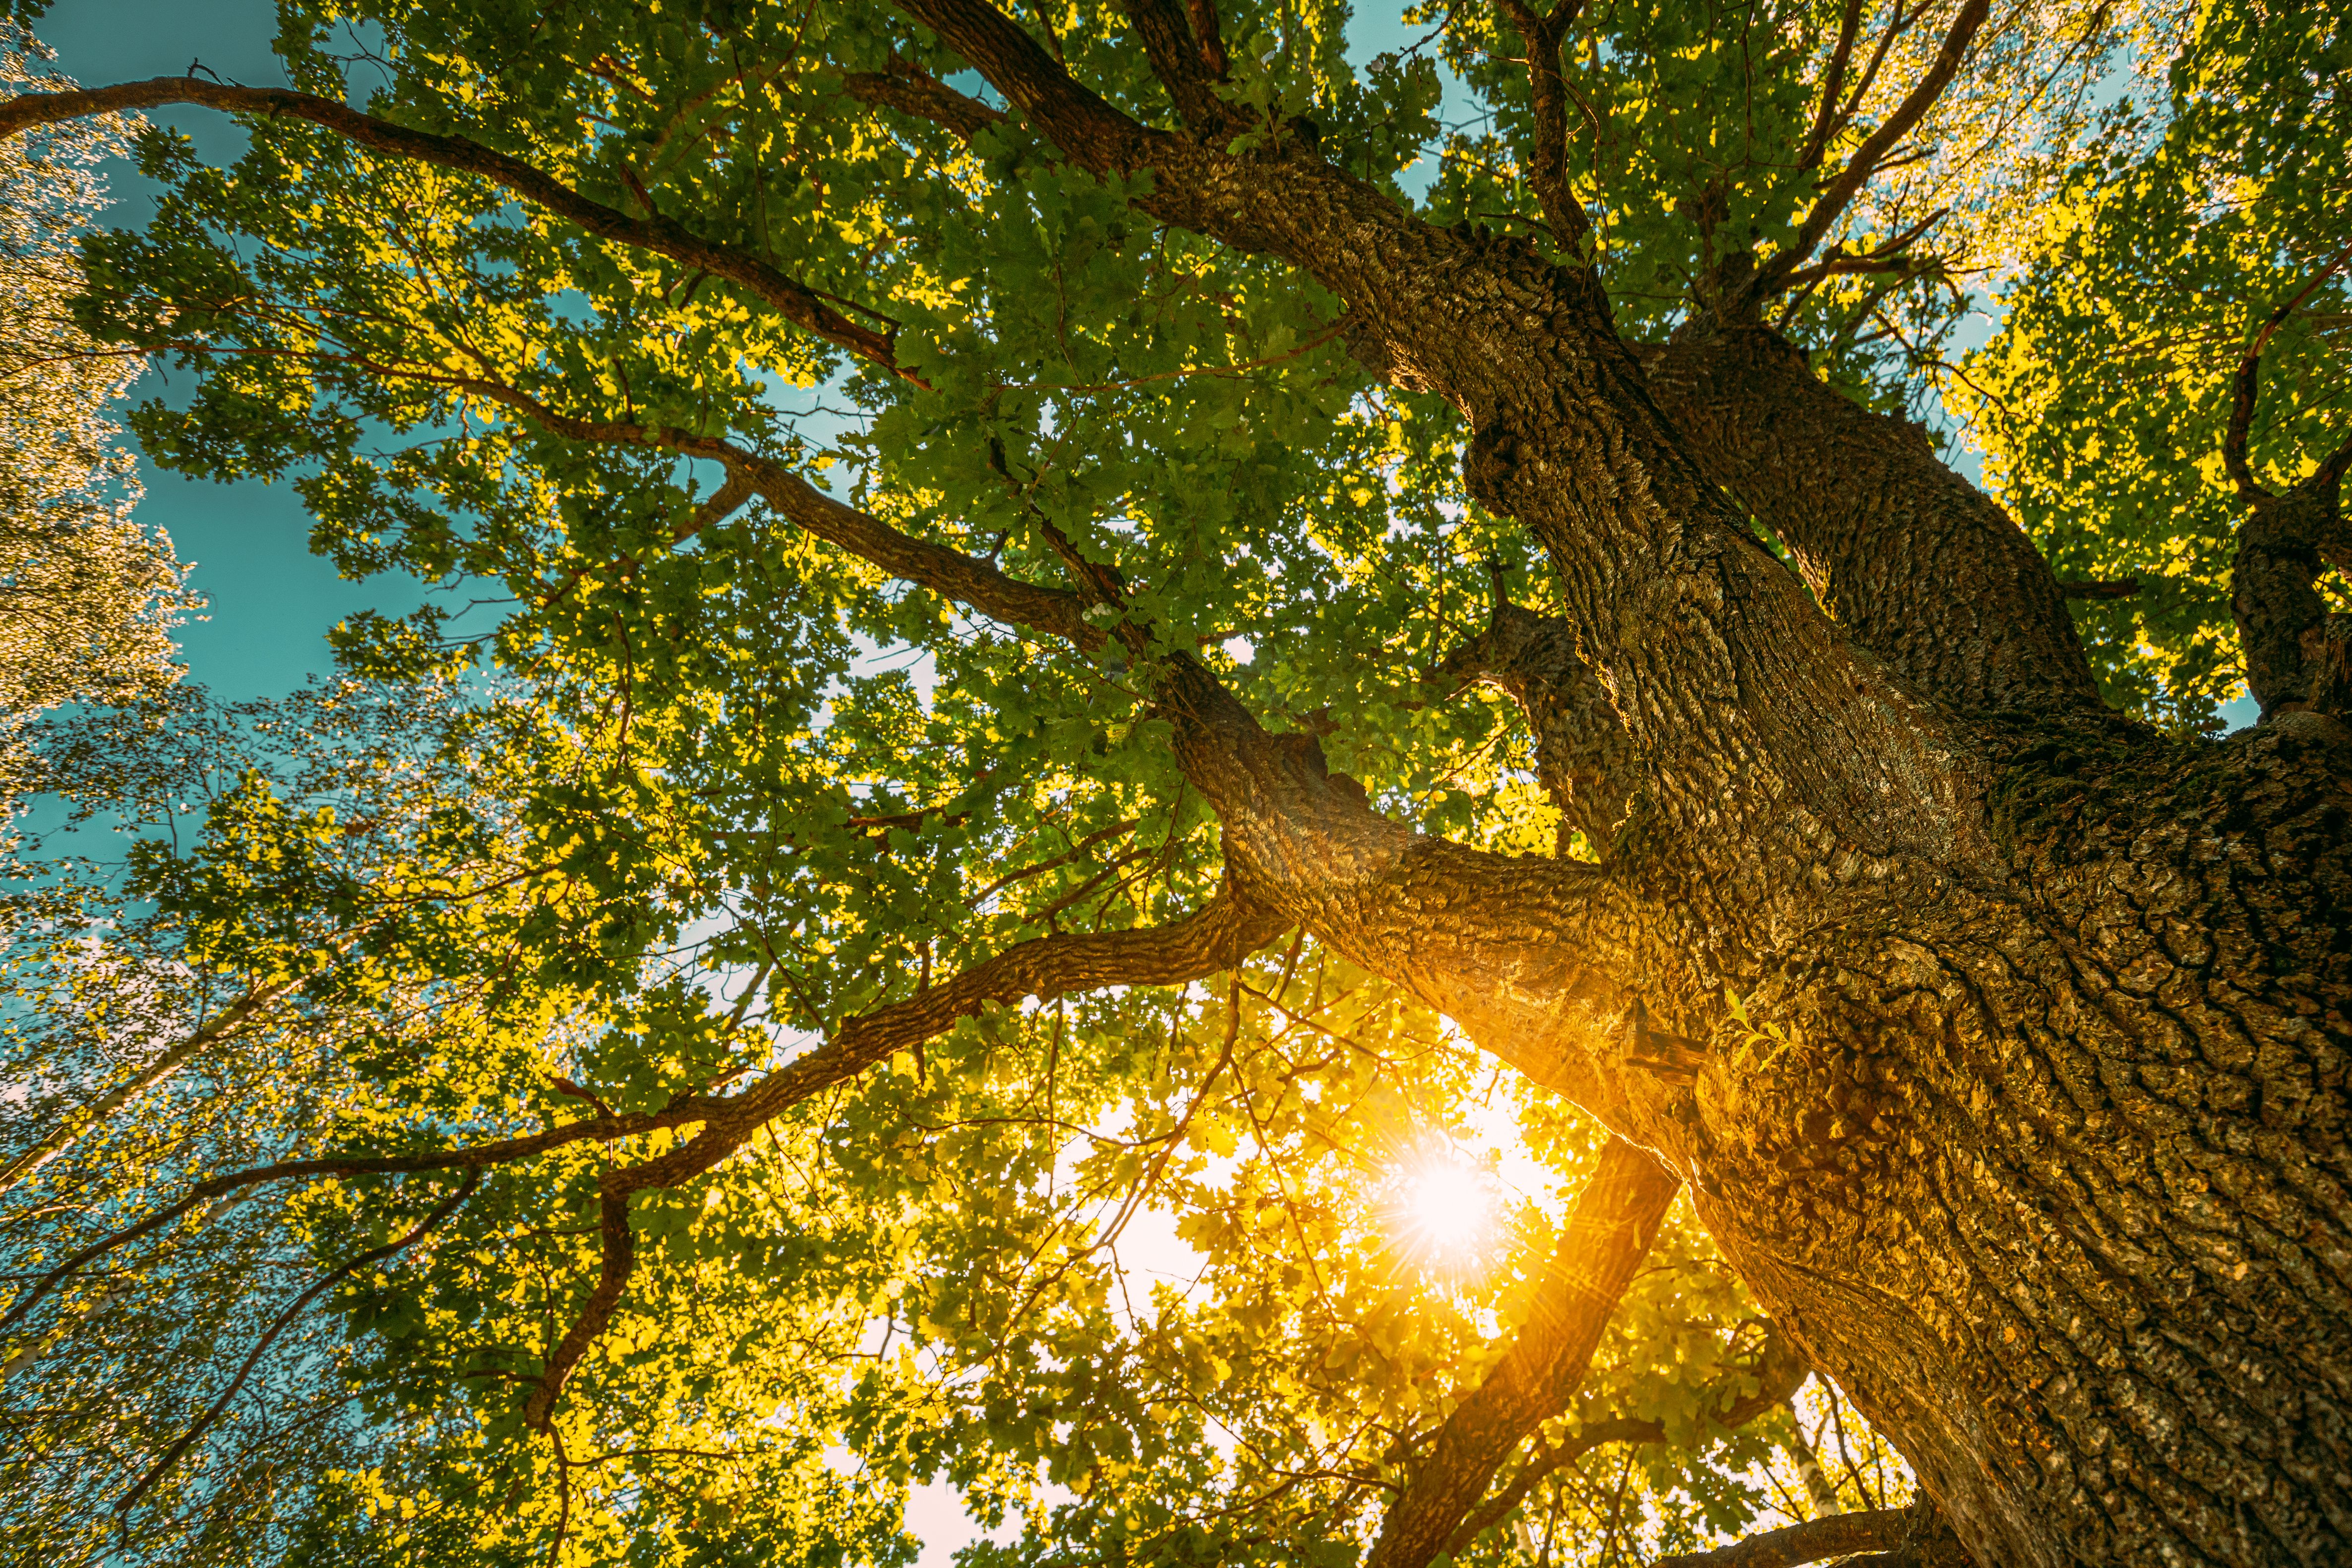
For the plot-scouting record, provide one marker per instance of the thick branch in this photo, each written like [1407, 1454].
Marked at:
[1077, 120]
[1526, 953]
[2296, 652]
[1209, 34]
[2296, 655]
[2247, 381]
[1914, 1537]
[1838, 1535]
[910, 91]
[1583, 756]
[1929, 572]
[661, 236]
[620, 1259]
[948, 573]
[1616, 1219]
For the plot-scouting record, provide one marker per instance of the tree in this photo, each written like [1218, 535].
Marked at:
[87, 596]
[1222, 538]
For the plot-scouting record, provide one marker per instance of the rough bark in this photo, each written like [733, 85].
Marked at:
[2294, 650]
[1834, 1535]
[1179, 62]
[1583, 758]
[1880, 1538]
[2298, 657]
[1925, 569]
[2056, 1188]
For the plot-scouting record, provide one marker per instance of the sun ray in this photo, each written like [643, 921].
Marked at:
[1443, 1212]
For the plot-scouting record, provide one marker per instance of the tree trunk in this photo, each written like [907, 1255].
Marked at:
[1924, 568]
[2054, 1186]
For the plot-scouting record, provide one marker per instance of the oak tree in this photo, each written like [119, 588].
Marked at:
[1071, 646]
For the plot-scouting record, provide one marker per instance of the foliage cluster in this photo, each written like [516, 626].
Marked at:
[87, 597]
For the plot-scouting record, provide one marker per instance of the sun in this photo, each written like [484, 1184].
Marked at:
[1445, 1213]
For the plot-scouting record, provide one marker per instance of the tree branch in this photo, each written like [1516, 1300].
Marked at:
[1913, 1537]
[75, 1123]
[1548, 98]
[663, 237]
[1615, 1220]
[2246, 383]
[1925, 569]
[1826, 120]
[948, 573]
[1528, 954]
[1779, 1373]
[911, 92]
[1584, 758]
[2297, 656]
[1209, 34]
[1180, 63]
[1865, 162]
[423, 1228]
[1219, 936]
[1077, 120]
[1837, 1535]
[620, 1258]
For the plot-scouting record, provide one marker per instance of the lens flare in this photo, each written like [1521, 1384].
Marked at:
[1444, 1213]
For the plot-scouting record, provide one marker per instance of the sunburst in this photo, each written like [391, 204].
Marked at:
[1443, 1212]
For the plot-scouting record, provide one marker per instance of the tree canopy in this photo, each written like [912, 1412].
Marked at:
[742, 1005]
[88, 597]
